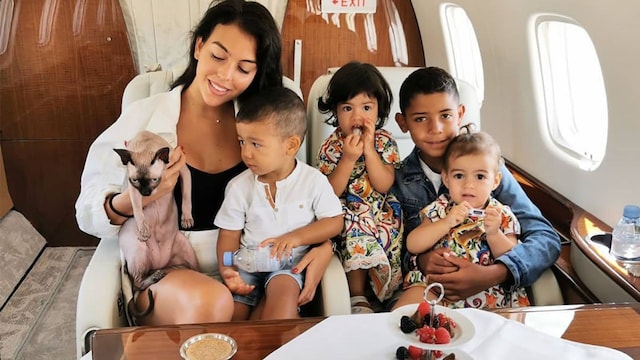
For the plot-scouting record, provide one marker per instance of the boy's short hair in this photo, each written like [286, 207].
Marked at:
[472, 143]
[426, 81]
[351, 80]
[281, 106]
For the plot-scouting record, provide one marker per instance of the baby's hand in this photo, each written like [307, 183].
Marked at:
[368, 134]
[457, 214]
[282, 245]
[353, 147]
[492, 220]
[235, 283]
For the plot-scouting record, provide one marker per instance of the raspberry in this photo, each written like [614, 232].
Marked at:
[424, 309]
[407, 325]
[426, 334]
[402, 353]
[415, 352]
[442, 336]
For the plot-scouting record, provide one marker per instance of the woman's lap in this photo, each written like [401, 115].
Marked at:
[187, 296]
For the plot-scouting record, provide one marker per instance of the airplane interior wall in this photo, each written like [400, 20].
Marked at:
[510, 112]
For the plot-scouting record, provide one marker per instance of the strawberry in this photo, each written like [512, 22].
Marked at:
[442, 336]
[424, 309]
[415, 352]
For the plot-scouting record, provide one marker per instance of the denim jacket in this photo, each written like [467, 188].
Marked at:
[540, 244]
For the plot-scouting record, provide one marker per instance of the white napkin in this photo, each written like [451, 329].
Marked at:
[500, 338]
[374, 336]
[362, 336]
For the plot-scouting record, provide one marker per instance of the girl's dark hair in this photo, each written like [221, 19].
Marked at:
[352, 79]
[254, 19]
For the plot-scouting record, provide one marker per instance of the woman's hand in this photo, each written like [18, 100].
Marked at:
[316, 262]
[177, 161]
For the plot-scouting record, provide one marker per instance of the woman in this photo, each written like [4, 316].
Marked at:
[234, 53]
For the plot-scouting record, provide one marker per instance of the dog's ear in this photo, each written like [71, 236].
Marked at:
[125, 156]
[162, 154]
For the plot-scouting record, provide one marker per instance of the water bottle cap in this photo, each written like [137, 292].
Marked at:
[227, 258]
[631, 211]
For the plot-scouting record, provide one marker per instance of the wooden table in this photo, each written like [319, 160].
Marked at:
[613, 325]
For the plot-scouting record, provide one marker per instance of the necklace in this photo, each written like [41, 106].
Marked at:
[217, 121]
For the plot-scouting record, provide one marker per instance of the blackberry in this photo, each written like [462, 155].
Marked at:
[436, 321]
[426, 318]
[402, 353]
[407, 325]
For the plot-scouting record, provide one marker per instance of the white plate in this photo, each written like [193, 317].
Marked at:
[460, 355]
[462, 333]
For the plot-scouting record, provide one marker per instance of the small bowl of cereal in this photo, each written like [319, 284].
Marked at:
[209, 346]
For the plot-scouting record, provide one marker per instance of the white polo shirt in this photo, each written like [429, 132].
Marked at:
[304, 196]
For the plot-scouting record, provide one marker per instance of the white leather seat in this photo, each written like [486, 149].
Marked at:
[99, 295]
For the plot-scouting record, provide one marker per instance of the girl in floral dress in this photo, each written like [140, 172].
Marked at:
[359, 158]
[468, 220]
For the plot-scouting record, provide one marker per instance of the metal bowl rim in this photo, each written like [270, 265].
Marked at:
[192, 340]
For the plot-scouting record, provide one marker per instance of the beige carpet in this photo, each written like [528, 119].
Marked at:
[38, 321]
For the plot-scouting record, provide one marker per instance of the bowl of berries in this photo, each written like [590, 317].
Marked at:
[431, 326]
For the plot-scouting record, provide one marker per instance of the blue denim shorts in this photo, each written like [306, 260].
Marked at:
[261, 280]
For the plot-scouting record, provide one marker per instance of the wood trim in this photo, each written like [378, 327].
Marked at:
[576, 224]
[325, 44]
[63, 75]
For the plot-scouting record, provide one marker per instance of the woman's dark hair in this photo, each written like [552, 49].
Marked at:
[254, 19]
[352, 79]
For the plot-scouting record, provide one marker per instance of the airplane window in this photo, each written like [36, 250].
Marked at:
[573, 90]
[462, 46]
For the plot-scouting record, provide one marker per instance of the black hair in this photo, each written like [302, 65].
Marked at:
[352, 79]
[426, 81]
[254, 19]
[281, 106]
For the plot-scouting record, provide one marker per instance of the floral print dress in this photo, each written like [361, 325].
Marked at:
[371, 238]
[469, 240]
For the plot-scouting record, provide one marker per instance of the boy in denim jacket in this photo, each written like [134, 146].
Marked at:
[432, 114]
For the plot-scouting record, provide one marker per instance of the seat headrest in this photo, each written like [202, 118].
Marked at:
[319, 130]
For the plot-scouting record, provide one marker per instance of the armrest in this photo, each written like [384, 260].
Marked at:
[335, 290]
[546, 290]
[97, 305]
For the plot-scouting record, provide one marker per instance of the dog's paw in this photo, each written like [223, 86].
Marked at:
[186, 221]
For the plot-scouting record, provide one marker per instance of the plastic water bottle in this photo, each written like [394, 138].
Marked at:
[625, 240]
[256, 259]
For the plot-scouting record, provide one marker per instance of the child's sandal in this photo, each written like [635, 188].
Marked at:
[360, 305]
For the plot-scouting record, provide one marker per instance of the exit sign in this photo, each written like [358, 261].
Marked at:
[348, 6]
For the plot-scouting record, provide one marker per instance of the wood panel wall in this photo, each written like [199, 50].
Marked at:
[326, 45]
[66, 66]
[63, 74]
